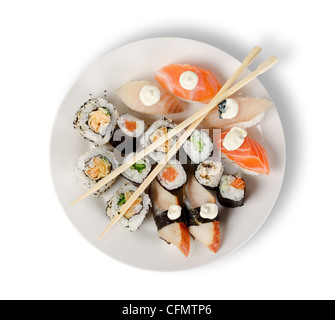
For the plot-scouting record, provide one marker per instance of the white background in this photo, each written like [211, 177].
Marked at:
[44, 48]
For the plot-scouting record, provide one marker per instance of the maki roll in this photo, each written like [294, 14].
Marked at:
[202, 213]
[173, 175]
[95, 165]
[134, 217]
[157, 130]
[209, 173]
[169, 218]
[129, 129]
[131, 126]
[96, 121]
[231, 191]
[138, 171]
[198, 146]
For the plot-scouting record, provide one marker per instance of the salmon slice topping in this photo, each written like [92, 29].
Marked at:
[206, 88]
[250, 155]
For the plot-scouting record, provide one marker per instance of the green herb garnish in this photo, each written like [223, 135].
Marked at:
[138, 166]
[198, 144]
[104, 159]
[107, 111]
[122, 200]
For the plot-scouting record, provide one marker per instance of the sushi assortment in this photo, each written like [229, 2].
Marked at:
[187, 200]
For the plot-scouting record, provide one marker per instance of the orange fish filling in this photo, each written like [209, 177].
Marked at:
[130, 125]
[131, 211]
[170, 174]
[98, 120]
[238, 183]
[98, 168]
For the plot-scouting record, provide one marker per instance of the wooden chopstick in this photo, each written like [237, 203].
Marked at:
[267, 64]
[246, 62]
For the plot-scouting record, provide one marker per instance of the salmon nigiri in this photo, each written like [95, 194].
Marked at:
[202, 216]
[188, 82]
[250, 112]
[250, 156]
[169, 218]
[150, 98]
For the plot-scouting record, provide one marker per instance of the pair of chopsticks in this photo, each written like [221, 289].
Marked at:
[192, 123]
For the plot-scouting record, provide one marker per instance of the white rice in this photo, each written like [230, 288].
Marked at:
[198, 146]
[140, 125]
[229, 192]
[82, 162]
[135, 221]
[81, 121]
[134, 175]
[180, 179]
[209, 173]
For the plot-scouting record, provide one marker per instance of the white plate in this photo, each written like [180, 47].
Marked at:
[139, 61]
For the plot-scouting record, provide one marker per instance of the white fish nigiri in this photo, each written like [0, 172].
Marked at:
[195, 195]
[172, 231]
[150, 98]
[250, 112]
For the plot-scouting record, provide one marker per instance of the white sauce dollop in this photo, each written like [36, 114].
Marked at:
[209, 211]
[188, 80]
[150, 95]
[174, 212]
[231, 109]
[234, 138]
